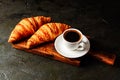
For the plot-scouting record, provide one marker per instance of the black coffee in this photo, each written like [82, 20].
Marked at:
[72, 36]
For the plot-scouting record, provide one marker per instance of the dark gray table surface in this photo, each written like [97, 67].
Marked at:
[93, 18]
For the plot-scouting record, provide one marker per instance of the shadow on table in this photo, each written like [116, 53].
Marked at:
[98, 47]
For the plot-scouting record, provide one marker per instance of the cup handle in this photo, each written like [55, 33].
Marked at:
[81, 46]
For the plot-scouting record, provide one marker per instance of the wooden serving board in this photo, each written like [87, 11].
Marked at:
[48, 50]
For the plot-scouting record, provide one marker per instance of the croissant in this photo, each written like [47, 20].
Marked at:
[26, 27]
[47, 32]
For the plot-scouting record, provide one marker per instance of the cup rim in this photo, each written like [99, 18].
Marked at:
[80, 33]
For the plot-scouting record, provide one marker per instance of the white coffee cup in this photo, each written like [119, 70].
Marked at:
[73, 39]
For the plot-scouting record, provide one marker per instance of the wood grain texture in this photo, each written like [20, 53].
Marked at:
[48, 50]
[108, 58]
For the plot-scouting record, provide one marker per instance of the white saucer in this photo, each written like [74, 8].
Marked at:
[64, 51]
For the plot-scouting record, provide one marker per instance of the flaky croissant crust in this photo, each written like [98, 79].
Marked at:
[26, 27]
[47, 32]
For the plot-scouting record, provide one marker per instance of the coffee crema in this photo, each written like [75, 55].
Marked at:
[72, 36]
